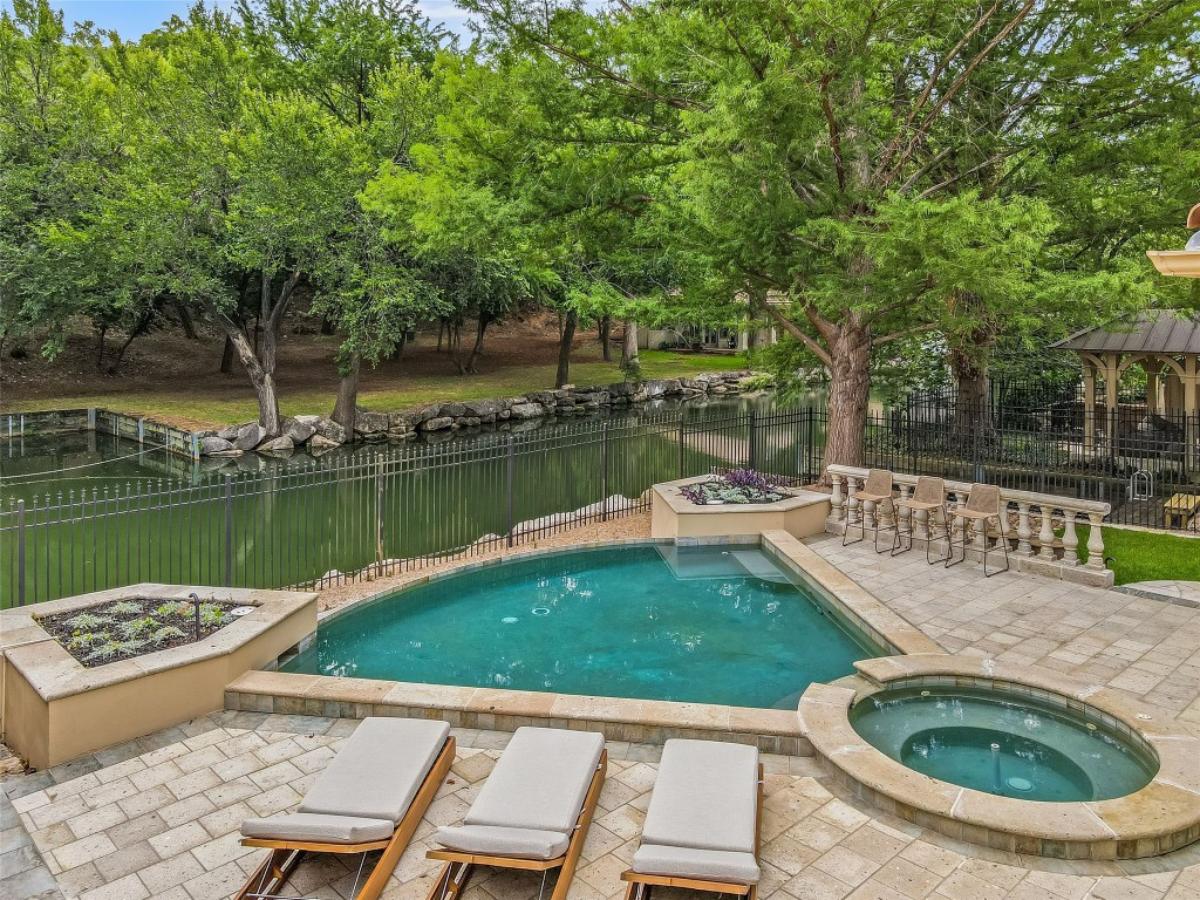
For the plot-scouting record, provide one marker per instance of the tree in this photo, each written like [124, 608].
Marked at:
[809, 136]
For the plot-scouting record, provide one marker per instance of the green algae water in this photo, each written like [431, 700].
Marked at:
[692, 624]
[994, 742]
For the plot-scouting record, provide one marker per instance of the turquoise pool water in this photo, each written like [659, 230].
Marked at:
[993, 742]
[700, 624]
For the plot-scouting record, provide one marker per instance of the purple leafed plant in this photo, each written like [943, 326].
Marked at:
[736, 486]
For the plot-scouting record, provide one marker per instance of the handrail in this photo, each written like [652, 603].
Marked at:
[1054, 514]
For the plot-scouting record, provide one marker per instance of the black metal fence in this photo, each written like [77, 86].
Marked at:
[320, 525]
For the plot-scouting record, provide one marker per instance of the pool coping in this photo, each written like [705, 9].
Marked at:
[1161, 817]
[625, 719]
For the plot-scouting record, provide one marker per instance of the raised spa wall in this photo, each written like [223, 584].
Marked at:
[619, 719]
[1159, 818]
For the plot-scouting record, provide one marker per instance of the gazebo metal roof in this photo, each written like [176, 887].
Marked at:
[1153, 331]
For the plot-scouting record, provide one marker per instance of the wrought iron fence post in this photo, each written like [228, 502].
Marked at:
[378, 513]
[228, 531]
[20, 553]
[681, 472]
[509, 478]
[604, 471]
[751, 451]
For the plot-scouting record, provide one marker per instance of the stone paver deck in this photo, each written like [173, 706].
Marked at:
[159, 818]
[1148, 648]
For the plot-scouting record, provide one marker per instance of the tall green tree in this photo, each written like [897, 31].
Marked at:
[813, 137]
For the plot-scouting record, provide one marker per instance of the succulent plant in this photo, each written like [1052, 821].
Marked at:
[124, 608]
[138, 627]
[165, 634]
[211, 614]
[86, 622]
[173, 608]
[736, 486]
[86, 639]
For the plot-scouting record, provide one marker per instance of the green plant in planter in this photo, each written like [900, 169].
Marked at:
[166, 634]
[124, 608]
[212, 615]
[86, 639]
[139, 627]
[173, 608]
[86, 622]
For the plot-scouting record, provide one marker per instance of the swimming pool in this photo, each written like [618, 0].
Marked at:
[711, 625]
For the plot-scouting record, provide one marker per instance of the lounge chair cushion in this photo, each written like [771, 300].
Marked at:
[540, 781]
[379, 770]
[319, 828]
[703, 865]
[495, 840]
[705, 797]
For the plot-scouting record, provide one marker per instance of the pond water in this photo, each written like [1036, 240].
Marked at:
[37, 465]
[711, 625]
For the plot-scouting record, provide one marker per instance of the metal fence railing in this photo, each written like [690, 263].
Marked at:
[318, 525]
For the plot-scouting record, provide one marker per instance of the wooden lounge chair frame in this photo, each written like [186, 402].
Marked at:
[452, 880]
[640, 884]
[276, 869]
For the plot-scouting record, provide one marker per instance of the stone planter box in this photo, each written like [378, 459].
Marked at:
[674, 516]
[55, 709]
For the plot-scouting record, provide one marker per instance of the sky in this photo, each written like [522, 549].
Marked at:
[133, 18]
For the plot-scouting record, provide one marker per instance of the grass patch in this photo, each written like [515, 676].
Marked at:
[1147, 555]
[189, 408]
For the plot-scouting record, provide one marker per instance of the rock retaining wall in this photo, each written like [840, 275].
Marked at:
[320, 434]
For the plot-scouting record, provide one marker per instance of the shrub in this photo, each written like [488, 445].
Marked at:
[111, 649]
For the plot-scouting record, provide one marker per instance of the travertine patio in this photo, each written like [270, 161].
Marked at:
[158, 817]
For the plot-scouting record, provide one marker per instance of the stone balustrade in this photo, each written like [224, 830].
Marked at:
[1042, 529]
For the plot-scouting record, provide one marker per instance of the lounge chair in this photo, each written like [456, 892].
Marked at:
[928, 498]
[984, 503]
[533, 812]
[874, 498]
[371, 797]
[703, 826]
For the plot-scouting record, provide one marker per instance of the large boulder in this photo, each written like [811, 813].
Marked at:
[527, 411]
[367, 422]
[438, 423]
[230, 432]
[218, 446]
[483, 408]
[298, 431]
[453, 410]
[319, 445]
[424, 414]
[280, 446]
[250, 436]
[330, 430]
[546, 398]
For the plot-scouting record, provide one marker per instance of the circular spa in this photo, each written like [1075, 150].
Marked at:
[1004, 744]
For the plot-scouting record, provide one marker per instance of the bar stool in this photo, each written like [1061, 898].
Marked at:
[929, 497]
[983, 504]
[877, 490]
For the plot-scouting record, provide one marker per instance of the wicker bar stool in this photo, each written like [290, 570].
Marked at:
[929, 497]
[876, 490]
[983, 505]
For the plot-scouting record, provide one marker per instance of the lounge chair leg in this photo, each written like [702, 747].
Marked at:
[272, 875]
[452, 881]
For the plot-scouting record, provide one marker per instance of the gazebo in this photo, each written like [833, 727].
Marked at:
[1166, 344]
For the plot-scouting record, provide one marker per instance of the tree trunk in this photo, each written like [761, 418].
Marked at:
[137, 331]
[563, 376]
[185, 320]
[346, 406]
[481, 328]
[101, 330]
[441, 331]
[328, 326]
[603, 330]
[972, 392]
[849, 393]
[629, 344]
[227, 356]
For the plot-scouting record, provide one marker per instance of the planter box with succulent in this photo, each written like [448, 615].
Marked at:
[126, 628]
[738, 486]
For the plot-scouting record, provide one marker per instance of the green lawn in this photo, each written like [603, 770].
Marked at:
[1148, 555]
[199, 408]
